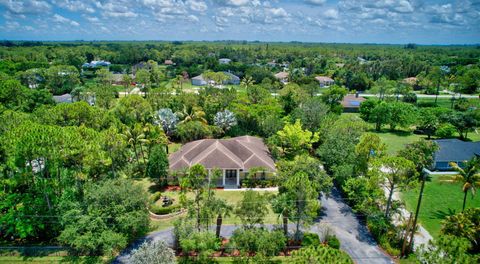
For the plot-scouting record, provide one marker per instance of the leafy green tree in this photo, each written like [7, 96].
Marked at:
[157, 166]
[302, 193]
[308, 165]
[111, 214]
[291, 96]
[259, 241]
[320, 254]
[421, 153]
[446, 250]
[133, 109]
[401, 114]
[364, 194]
[398, 174]
[468, 175]
[311, 113]
[333, 97]
[193, 131]
[154, 252]
[428, 122]
[381, 115]
[340, 139]
[252, 209]
[257, 93]
[61, 79]
[366, 109]
[195, 179]
[464, 225]
[293, 140]
[369, 148]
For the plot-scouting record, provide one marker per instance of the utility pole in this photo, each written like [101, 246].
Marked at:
[414, 227]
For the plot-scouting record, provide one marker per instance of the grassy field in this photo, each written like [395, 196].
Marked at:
[396, 141]
[440, 200]
[447, 102]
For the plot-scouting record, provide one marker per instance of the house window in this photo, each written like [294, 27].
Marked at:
[229, 174]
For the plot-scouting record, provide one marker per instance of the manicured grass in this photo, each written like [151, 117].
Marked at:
[447, 102]
[440, 200]
[396, 141]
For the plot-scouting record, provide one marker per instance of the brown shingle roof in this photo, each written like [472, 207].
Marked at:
[352, 101]
[235, 153]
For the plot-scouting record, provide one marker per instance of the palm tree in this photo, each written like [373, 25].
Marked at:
[247, 82]
[134, 138]
[221, 209]
[469, 176]
[192, 113]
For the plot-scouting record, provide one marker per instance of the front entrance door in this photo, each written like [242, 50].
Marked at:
[230, 177]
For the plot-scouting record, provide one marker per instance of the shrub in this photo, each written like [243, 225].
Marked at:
[154, 197]
[310, 239]
[333, 242]
[159, 210]
[446, 131]
[153, 252]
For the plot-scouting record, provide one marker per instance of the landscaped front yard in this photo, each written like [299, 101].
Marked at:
[440, 200]
[231, 197]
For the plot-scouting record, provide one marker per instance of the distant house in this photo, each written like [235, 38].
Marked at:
[64, 98]
[351, 102]
[232, 79]
[282, 76]
[454, 150]
[95, 64]
[224, 61]
[140, 66]
[234, 157]
[271, 64]
[199, 81]
[168, 62]
[325, 81]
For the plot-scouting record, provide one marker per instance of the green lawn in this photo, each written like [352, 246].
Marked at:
[396, 141]
[440, 200]
[447, 102]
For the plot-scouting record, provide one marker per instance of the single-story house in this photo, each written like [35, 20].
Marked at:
[282, 76]
[234, 157]
[168, 62]
[94, 64]
[199, 81]
[454, 150]
[351, 102]
[325, 81]
[232, 79]
[224, 61]
[64, 98]
[140, 66]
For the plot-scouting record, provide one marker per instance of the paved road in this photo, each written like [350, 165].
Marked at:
[337, 216]
[354, 237]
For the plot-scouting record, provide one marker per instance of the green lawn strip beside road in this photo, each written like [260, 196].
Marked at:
[440, 200]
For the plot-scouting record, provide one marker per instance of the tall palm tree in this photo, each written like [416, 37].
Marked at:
[192, 113]
[469, 176]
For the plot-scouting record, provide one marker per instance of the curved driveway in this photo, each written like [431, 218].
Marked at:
[354, 237]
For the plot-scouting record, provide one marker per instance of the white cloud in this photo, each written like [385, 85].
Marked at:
[331, 13]
[63, 20]
[75, 5]
[233, 2]
[26, 6]
[198, 6]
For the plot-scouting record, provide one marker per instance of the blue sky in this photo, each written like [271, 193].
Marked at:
[356, 21]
